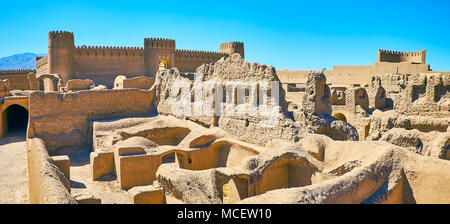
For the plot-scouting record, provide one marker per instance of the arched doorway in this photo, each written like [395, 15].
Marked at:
[48, 82]
[16, 118]
[340, 116]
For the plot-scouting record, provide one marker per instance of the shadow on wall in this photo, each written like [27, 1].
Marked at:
[161, 136]
[407, 193]
[287, 174]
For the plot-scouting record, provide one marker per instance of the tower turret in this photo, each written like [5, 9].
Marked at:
[417, 57]
[232, 47]
[158, 51]
[60, 53]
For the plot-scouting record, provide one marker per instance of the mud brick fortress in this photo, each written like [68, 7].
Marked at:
[103, 64]
[100, 128]
[388, 62]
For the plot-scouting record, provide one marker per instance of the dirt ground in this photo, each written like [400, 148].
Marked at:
[13, 170]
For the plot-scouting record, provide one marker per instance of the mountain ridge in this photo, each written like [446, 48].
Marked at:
[25, 60]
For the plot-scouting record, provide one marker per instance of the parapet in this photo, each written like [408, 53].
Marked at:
[233, 47]
[39, 57]
[232, 44]
[159, 43]
[397, 56]
[59, 34]
[101, 51]
[60, 39]
[200, 55]
[16, 71]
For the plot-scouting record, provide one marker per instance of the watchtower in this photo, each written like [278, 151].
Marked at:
[60, 53]
[157, 51]
[232, 47]
[417, 57]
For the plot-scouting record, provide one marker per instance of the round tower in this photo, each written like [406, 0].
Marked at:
[60, 53]
[232, 47]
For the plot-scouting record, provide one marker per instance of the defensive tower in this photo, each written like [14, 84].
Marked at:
[232, 47]
[157, 51]
[60, 53]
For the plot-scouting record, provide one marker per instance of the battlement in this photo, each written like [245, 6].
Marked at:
[159, 43]
[16, 71]
[105, 51]
[87, 62]
[59, 34]
[40, 57]
[60, 39]
[397, 56]
[196, 54]
[233, 47]
[232, 44]
[41, 60]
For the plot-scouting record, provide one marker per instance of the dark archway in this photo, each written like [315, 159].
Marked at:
[16, 119]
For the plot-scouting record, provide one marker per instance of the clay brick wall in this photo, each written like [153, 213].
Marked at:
[48, 188]
[42, 65]
[396, 56]
[103, 64]
[190, 60]
[65, 117]
[17, 78]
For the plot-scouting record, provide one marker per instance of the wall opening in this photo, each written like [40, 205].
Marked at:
[340, 116]
[16, 119]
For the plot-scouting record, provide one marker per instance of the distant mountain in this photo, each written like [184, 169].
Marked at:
[19, 61]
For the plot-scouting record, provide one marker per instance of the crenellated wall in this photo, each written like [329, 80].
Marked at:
[18, 79]
[397, 56]
[63, 119]
[233, 47]
[103, 64]
[41, 65]
[190, 60]
[157, 51]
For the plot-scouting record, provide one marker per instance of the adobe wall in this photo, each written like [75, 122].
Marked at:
[400, 68]
[140, 82]
[419, 94]
[348, 75]
[397, 56]
[41, 65]
[190, 60]
[389, 62]
[79, 84]
[157, 50]
[47, 183]
[65, 117]
[292, 76]
[103, 64]
[18, 78]
[233, 47]
[341, 75]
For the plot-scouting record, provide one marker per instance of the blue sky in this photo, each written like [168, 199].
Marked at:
[287, 34]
